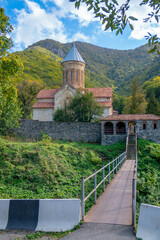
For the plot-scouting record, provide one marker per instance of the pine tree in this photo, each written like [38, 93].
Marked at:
[135, 103]
[153, 105]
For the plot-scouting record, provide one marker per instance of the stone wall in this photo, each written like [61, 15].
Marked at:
[149, 133]
[86, 132]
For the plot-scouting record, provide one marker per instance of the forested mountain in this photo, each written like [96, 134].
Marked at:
[104, 67]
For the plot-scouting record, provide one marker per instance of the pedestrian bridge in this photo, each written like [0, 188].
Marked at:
[116, 205]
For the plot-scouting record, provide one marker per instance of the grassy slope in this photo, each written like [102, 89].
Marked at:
[49, 170]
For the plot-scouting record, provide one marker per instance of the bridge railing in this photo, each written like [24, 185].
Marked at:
[134, 187]
[112, 168]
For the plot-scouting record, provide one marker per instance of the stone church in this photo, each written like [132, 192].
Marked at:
[49, 100]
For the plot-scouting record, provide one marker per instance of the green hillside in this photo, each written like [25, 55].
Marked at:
[104, 67]
[109, 66]
[41, 65]
[44, 66]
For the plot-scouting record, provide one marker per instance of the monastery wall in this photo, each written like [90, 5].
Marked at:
[86, 132]
[83, 132]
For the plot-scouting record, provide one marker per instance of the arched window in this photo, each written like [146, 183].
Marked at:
[77, 77]
[71, 76]
[120, 128]
[66, 76]
[108, 128]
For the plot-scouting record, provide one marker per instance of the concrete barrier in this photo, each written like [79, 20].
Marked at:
[149, 222]
[52, 215]
[58, 214]
[4, 209]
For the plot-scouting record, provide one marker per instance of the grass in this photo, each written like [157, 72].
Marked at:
[148, 179]
[47, 169]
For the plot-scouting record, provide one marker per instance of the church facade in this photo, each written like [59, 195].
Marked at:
[49, 100]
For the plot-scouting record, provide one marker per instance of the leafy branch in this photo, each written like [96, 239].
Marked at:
[114, 16]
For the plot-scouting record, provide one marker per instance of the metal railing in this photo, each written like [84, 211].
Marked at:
[114, 165]
[134, 187]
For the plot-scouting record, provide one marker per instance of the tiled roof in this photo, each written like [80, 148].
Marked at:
[101, 92]
[105, 104]
[131, 117]
[46, 93]
[43, 105]
[73, 55]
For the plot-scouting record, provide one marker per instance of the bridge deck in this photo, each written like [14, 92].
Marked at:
[114, 206]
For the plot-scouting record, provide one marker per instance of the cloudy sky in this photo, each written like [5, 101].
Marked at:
[35, 20]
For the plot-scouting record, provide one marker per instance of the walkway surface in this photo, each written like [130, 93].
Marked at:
[114, 206]
[102, 231]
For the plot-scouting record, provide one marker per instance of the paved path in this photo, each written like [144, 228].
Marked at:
[114, 206]
[102, 231]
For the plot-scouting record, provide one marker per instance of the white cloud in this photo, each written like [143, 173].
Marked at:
[141, 28]
[36, 24]
[80, 37]
[67, 9]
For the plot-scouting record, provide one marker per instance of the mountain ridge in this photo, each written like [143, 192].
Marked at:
[104, 67]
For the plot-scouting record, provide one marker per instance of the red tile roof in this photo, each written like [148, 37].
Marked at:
[43, 105]
[101, 92]
[46, 93]
[131, 117]
[105, 104]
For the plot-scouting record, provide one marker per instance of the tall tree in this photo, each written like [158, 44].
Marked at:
[9, 66]
[135, 103]
[113, 14]
[27, 91]
[153, 105]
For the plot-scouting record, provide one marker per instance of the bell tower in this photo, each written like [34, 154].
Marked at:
[73, 69]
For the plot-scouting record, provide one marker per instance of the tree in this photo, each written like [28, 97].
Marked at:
[152, 86]
[5, 29]
[118, 103]
[113, 15]
[135, 103]
[82, 108]
[27, 91]
[153, 105]
[9, 66]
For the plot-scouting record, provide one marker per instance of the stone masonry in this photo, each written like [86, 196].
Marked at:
[85, 132]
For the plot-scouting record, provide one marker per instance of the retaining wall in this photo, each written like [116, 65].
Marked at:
[79, 131]
[49, 215]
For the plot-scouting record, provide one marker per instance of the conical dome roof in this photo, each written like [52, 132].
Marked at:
[73, 55]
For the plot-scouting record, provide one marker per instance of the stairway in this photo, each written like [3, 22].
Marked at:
[131, 148]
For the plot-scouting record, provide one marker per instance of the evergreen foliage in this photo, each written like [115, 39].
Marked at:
[136, 103]
[153, 105]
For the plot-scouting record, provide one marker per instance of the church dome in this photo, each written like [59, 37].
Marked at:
[73, 55]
